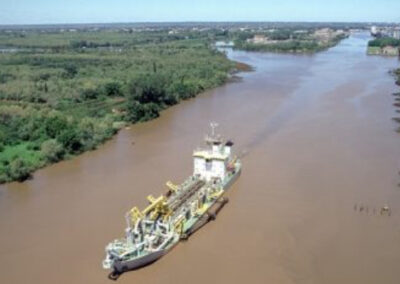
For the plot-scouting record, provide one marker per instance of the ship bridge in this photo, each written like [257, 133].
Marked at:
[212, 162]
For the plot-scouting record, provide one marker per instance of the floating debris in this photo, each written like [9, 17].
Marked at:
[384, 210]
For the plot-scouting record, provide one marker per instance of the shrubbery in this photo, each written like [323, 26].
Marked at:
[60, 103]
[52, 135]
[52, 150]
[18, 170]
[384, 41]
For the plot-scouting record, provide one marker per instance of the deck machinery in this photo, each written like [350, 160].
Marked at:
[173, 216]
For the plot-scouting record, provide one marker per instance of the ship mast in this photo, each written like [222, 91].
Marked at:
[213, 138]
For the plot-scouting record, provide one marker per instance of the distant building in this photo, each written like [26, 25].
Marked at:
[390, 50]
[396, 33]
[258, 39]
[374, 30]
[326, 34]
[388, 31]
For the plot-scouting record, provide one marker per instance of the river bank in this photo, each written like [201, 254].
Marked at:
[64, 93]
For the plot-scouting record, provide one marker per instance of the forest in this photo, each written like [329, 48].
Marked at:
[63, 92]
[384, 41]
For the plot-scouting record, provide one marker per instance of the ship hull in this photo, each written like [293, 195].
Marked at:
[123, 266]
[235, 176]
[202, 220]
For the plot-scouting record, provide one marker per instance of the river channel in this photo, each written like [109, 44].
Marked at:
[320, 158]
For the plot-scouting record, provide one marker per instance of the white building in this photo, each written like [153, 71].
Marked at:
[374, 30]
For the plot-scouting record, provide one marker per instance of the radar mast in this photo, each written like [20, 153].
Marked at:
[213, 138]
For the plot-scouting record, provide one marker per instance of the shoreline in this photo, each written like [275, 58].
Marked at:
[231, 76]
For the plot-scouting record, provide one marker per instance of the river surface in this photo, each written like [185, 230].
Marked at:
[317, 140]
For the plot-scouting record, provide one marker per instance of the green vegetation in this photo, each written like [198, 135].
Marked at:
[65, 92]
[66, 89]
[384, 41]
[288, 40]
[293, 46]
[384, 46]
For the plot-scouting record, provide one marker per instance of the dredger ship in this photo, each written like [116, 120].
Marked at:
[183, 209]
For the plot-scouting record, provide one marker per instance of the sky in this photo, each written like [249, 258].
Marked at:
[118, 11]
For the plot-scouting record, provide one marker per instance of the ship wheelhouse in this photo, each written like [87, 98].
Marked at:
[212, 163]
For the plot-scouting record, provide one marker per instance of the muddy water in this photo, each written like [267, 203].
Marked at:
[316, 137]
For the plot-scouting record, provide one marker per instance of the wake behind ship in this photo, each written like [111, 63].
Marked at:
[179, 212]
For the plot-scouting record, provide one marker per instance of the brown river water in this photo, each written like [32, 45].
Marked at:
[317, 141]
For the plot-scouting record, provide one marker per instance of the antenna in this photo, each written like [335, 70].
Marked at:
[213, 138]
[213, 125]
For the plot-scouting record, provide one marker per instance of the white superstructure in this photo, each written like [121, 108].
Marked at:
[212, 163]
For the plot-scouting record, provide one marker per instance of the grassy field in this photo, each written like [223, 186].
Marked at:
[373, 50]
[63, 92]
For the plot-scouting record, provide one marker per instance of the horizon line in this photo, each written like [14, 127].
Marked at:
[198, 22]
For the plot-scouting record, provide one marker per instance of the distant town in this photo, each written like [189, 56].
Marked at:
[386, 40]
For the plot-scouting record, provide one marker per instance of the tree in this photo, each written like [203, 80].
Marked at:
[52, 150]
[54, 125]
[141, 112]
[18, 170]
[148, 88]
[70, 70]
[69, 138]
[89, 94]
[112, 89]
